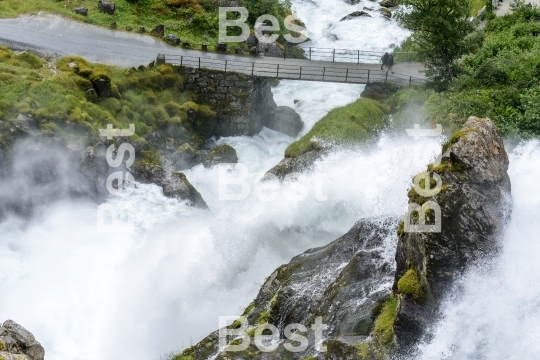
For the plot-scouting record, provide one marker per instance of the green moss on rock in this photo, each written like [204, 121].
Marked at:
[409, 284]
[383, 332]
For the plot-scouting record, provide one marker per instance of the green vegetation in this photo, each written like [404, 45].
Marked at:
[194, 21]
[182, 357]
[363, 350]
[409, 285]
[501, 79]
[383, 331]
[263, 318]
[345, 125]
[440, 29]
[477, 5]
[74, 97]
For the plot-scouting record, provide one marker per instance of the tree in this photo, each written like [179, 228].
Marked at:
[440, 28]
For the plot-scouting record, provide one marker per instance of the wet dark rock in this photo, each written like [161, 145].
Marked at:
[173, 40]
[475, 205]
[106, 7]
[354, 15]
[238, 51]
[114, 25]
[141, 29]
[329, 282]
[81, 11]
[129, 28]
[286, 121]
[388, 3]
[386, 12]
[185, 157]
[297, 164]
[18, 343]
[174, 184]
[220, 154]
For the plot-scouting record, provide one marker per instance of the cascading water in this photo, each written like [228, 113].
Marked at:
[495, 312]
[87, 295]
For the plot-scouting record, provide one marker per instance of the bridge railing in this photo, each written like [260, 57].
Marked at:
[294, 71]
[340, 55]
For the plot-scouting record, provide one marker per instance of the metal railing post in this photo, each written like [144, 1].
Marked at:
[346, 75]
[310, 54]
[252, 69]
[277, 73]
[368, 76]
[410, 81]
[323, 72]
[181, 60]
[334, 56]
[199, 63]
[300, 72]
[225, 66]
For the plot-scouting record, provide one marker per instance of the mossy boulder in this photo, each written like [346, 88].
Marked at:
[471, 204]
[186, 157]
[220, 154]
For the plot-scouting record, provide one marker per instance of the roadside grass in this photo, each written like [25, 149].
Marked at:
[349, 124]
[192, 21]
[189, 24]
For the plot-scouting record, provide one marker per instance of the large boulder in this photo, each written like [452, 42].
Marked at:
[286, 121]
[18, 343]
[185, 157]
[472, 188]
[341, 282]
[220, 154]
[174, 184]
[106, 7]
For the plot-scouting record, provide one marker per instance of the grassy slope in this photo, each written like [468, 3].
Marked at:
[351, 123]
[60, 104]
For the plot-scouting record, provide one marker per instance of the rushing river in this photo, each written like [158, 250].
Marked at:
[96, 296]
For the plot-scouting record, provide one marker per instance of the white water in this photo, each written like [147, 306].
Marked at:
[87, 295]
[497, 312]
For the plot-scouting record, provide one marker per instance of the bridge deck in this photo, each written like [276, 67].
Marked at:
[405, 74]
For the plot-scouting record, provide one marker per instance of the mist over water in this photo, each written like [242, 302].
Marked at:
[495, 311]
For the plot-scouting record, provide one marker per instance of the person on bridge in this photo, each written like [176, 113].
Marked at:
[384, 59]
[389, 63]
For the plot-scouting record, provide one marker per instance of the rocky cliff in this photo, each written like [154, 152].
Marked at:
[346, 283]
[17, 343]
[475, 203]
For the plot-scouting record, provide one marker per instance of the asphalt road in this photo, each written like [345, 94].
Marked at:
[51, 35]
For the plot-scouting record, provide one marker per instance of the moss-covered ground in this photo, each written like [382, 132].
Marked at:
[349, 124]
[70, 97]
